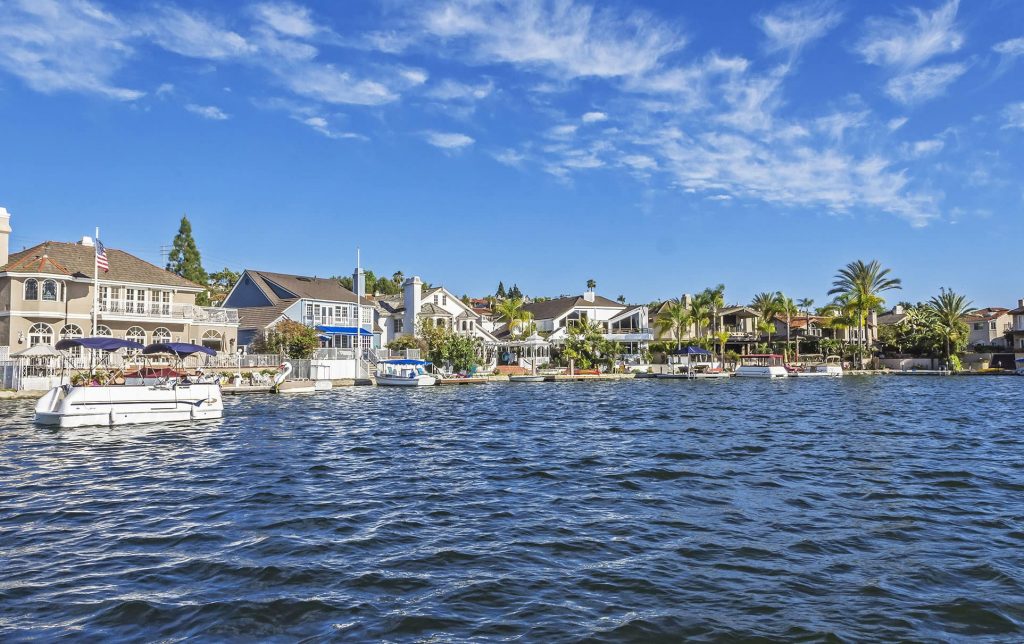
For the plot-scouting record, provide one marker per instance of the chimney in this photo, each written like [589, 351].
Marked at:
[5, 236]
[897, 310]
[589, 296]
[413, 295]
[687, 300]
[1020, 302]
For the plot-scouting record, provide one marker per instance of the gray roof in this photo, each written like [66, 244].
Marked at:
[313, 288]
[550, 309]
[261, 317]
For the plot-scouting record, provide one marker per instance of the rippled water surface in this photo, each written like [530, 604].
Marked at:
[865, 508]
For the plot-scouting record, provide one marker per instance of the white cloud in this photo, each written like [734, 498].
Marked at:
[320, 124]
[510, 157]
[448, 140]
[330, 85]
[192, 35]
[450, 90]
[164, 89]
[287, 19]
[910, 43]
[562, 131]
[594, 117]
[791, 27]
[923, 84]
[207, 112]
[1013, 47]
[926, 148]
[896, 123]
[568, 39]
[640, 162]
[837, 123]
[1013, 114]
[58, 47]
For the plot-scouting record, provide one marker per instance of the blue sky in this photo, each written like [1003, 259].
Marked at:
[656, 147]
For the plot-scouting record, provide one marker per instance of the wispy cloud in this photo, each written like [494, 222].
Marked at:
[924, 84]
[72, 47]
[319, 124]
[1013, 115]
[927, 147]
[1010, 48]
[791, 27]
[594, 117]
[448, 140]
[191, 34]
[564, 38]
[451, 90]
[287, 18]
[913, 39]
[207, 112]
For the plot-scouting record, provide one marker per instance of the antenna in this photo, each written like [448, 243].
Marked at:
[165, 251]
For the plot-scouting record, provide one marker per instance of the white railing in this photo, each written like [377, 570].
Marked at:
[205, 314]
[332, 353]
[5, 353]
[214, 315]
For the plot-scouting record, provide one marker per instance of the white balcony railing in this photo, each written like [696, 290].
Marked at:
[184, 312]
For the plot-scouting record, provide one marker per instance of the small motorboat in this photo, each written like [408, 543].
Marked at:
[762, 365]
[404, 372]
[829, 367]
[101, 400]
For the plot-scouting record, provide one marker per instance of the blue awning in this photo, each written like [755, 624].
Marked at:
[342, 330]
[180, 349]
[405, 361]
[102, 343]
[691, 351]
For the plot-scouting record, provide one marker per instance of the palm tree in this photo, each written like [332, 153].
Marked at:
[948, 309]
[511, 311]
[700, 311]
[862, 284]
[715, 298]
[805, 304]
[767, 306]
[398, 277]
[674, 318]
[591, 285]
[621, 299]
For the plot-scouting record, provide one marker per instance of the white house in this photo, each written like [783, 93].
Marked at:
[400, 315]
[627, 325]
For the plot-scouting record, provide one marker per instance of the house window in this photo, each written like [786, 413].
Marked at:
[435, 299]
[70, 332]
[213, 340]
[50, 290]
[161, 302]
[135, 334]
[444, 300]
[367, 315]
[992, 325]
[31, 289]
[161, 335]
[40, 334]
[309, 312]
[103, 330]
[135, 300]
[398, 325]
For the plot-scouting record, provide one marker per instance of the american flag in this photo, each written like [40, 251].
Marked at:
[101, 257]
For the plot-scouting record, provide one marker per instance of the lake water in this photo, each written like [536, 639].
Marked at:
[864, 508]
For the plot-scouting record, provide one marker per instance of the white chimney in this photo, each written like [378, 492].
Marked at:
[898, 310]
[413, 294]
[5, 236]
[589, 296]
[86, 241]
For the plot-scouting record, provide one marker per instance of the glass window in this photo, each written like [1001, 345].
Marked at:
[444, 300]
[50, 290]
[992, 325]
[161, 335]
[70, 332]
[135, 334]
[103, 330]
[40, 334]
[31, 289]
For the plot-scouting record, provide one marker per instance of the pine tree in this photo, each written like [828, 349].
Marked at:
[501, 290]
[515, 293]
[185, 260]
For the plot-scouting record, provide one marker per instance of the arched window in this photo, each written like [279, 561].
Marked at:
[50, 290]
[31, 289]
[161, 335]
[40, 334]
[103, 330]
[213, 340]
[135, 334]
[70, 332]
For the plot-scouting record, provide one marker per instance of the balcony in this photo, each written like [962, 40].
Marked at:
[119, 310]
[622, 334]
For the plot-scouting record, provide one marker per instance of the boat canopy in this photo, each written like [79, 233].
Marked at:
[180, 349]
[405, 361]
[691, 351]
[343, 330]
[102, 343]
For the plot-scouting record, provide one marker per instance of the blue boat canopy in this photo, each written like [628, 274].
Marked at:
[691, 351]
[405, 361]
[342, 330]
[180, 349]
[101, 343]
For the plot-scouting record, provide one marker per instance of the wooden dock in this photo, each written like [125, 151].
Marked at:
[463, 381]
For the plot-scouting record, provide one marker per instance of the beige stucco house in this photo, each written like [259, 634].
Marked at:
[46, 294]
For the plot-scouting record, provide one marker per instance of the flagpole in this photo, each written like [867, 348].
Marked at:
[95, 283]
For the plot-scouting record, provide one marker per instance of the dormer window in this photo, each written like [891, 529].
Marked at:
[31, 289]
[50, 290]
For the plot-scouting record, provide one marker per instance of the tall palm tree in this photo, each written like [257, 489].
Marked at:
[804, 304]
[700, 311]
[767, 306]
[948, 309]
[862, 283]
[674, 318]
[511, 311]
[715, 298]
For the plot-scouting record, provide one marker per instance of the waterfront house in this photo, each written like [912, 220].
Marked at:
[626, 325]
[47, 294]
[401, 315]
[1015, 332]
[987, 327]
[263, 299]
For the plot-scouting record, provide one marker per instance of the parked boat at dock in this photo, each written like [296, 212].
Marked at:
[109, 402]
[817, 366]
[694, 363]
[762, 365]
[404, 373]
